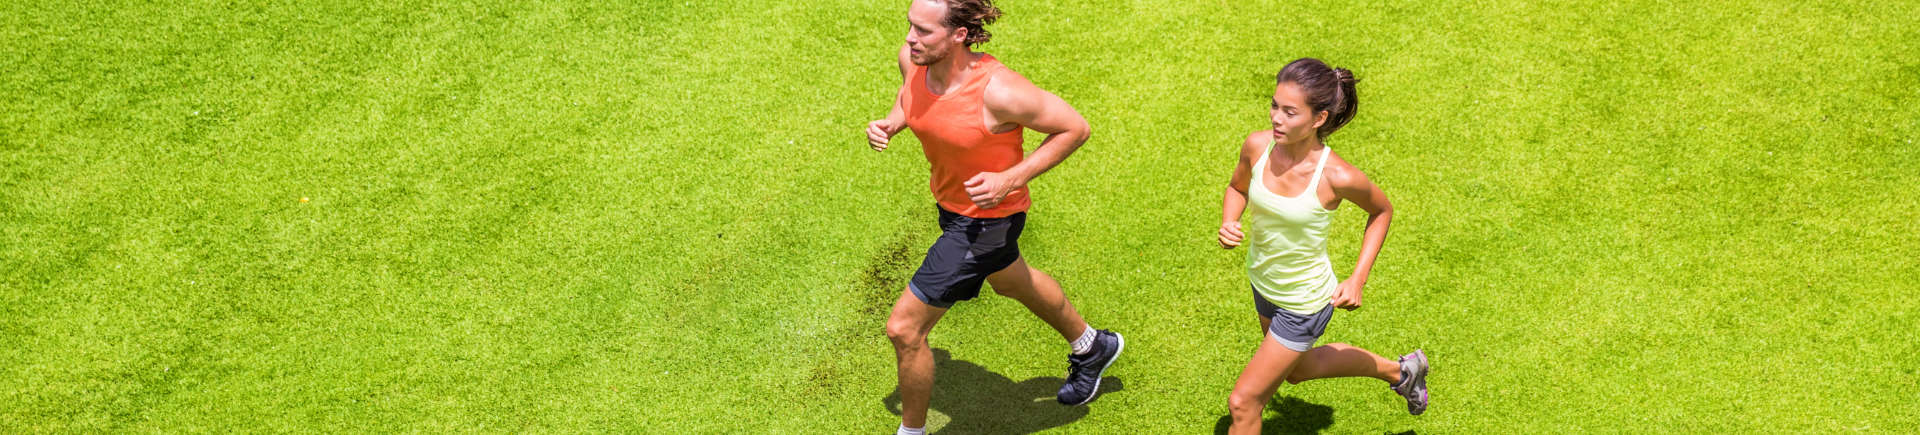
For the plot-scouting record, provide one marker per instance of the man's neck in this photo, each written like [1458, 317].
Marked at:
[952, 69]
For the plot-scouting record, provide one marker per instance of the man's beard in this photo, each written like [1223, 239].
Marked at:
[928, 57]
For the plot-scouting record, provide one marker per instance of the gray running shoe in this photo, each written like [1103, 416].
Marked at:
[1413, 381]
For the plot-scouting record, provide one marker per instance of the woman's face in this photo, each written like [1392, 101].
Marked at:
[1292, 120]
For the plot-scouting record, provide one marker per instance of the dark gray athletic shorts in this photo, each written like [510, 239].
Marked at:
[1296, 332]
[967, 251]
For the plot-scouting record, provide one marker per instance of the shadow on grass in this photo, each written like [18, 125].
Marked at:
[981, 401]
[1295, 416]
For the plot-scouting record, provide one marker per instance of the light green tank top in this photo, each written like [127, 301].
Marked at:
[1287, 242]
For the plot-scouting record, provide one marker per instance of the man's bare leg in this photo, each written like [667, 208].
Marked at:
[907, 327]
[1042, 296]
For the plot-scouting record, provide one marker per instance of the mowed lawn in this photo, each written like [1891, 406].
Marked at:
[663, 217]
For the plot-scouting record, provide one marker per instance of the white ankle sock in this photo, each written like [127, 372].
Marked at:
[1084, 344]
[904, 430]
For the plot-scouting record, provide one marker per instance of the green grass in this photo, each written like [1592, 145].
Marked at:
[663, 217]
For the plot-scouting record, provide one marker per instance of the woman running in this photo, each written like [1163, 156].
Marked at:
[1293, 182]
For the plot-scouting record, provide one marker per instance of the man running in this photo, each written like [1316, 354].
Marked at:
[968, 111]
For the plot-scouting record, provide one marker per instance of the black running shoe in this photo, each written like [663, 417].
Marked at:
[1083, 371]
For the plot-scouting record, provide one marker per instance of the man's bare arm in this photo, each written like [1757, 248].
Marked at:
[1011, 99]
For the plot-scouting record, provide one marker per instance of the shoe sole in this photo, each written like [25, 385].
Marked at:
[1103, 368]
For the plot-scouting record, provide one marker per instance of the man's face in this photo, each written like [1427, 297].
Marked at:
[928, 37]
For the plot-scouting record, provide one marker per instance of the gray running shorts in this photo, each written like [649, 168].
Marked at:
[1293, 330]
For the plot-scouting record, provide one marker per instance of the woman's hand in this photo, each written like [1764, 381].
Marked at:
[1230, 235]
[1347, 296]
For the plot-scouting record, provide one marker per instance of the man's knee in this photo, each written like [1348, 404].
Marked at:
[904, 332]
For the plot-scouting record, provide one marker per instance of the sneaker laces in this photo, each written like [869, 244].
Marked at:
[1081, 363]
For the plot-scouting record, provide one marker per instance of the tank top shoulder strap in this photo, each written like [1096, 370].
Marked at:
[917, 81]
[985, 69]
[1260, 164]
[1313, 185]
[989, 64]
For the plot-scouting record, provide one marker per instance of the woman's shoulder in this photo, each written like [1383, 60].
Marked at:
[1255, 143]
[1342, 174]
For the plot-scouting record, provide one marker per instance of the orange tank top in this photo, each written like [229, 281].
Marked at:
[952, 128]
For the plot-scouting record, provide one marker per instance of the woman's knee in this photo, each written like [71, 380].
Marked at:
[1241, 403]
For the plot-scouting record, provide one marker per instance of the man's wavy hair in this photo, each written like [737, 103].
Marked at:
[973, 15]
